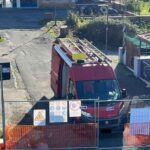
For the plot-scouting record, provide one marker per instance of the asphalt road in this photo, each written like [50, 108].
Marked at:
[35, 58]
[29, 50]
[135, 87]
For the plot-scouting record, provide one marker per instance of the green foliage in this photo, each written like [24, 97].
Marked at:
[141, 7]
[145, 8]
[1, 132]
[53, 29]
[132, 5]
[96, 31]
[2, 39]
[75, 21]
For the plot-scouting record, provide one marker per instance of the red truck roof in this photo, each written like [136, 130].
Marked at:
[91, 72]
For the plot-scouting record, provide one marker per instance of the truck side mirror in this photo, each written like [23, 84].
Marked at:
[124, 93]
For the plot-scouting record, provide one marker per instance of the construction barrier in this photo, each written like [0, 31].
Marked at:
[137, 140]
[54, 124]
[1, 146]
[53, 136]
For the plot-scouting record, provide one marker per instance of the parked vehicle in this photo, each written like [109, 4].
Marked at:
[81, 71]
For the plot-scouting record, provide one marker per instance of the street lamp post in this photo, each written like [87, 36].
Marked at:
[106, 40]
[3, 107]
[55, 15]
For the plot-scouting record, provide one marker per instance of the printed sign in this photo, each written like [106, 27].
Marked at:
[58, 111]
[39, 117]
[6, 70]
[75, 108]
[140, 121]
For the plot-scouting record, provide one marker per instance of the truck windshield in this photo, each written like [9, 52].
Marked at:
[98, 89]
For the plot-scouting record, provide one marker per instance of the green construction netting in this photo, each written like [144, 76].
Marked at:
[136, 41]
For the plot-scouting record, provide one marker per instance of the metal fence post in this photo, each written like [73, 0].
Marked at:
[97, 126]
[106, 40]
[3, 107]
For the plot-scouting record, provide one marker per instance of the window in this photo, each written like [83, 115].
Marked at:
[71, 90]
[98, 89]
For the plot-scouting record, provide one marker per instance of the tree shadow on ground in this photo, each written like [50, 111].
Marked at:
[28, 118]
[27, 18]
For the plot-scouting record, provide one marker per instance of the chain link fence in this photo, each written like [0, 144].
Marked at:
[78, 124]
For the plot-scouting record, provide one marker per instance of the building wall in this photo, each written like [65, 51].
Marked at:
[132, 50]
[52, 3]
[46, 3]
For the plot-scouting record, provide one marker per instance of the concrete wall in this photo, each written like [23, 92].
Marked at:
[131, 51]
[53, 3]
[48, 3]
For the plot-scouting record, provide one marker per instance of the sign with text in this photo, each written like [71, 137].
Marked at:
[58, 111]
[75, 108]
[5, 70]
[39, 117]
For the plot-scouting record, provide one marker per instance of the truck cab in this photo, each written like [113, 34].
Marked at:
[81, 71]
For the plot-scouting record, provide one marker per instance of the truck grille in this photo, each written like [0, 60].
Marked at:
[108, 122]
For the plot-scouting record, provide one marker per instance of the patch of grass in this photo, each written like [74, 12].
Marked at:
[144, 8]
[53, 34]
[53, 28]
[1, 132]
[2, 39]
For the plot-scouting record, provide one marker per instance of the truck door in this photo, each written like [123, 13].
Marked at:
[65, 80]
[71, 90]
[56, 73]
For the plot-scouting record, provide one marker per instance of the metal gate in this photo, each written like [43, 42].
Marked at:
[58, 130]
[25, 130]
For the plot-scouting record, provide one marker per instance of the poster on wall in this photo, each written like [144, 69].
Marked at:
[58, 111]
[39, 117]
[75, 108]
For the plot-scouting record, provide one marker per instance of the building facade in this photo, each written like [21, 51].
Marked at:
[42, 3]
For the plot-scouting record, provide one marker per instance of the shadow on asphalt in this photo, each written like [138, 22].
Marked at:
[133, 85]
[12, 18]
[41, 104]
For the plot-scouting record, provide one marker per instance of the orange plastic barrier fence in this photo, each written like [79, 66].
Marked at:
[52, 136]
[134, 140]
[1, 146]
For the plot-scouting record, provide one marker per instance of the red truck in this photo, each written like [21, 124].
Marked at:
[81, 71]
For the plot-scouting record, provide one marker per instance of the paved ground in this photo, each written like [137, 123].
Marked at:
[28, 49]
[134, 86]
